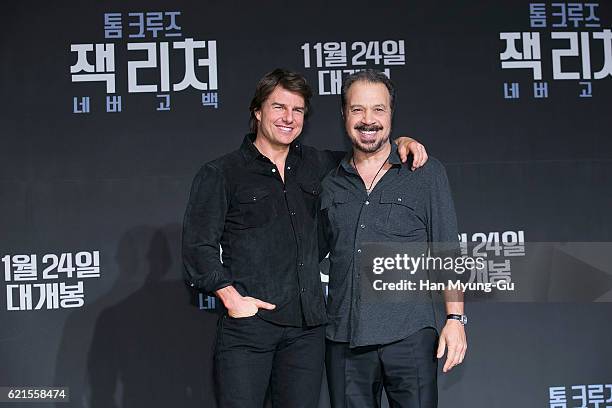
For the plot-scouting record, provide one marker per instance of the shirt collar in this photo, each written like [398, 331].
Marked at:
[250, 152]
[393, 159]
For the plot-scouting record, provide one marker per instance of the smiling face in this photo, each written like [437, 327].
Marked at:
[367, 115]
[281, 117]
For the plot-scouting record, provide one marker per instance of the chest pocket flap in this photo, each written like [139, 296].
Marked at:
[401, 215]
[252, 196]
[399, 198]
[311, 188]
[256, 208]
[338, 197]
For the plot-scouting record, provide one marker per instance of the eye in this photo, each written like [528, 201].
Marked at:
[299, 110]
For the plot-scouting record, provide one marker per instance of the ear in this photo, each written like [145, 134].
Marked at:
[258, 115]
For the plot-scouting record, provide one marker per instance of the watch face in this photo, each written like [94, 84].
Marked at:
[464, 319]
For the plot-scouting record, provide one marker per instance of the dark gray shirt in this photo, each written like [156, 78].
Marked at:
[404, 207]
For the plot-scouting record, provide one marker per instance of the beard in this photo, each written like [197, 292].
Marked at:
[374, 145]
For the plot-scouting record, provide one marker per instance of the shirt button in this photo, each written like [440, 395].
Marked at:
[292, 212]
[362, 226]
[273, 170]
[399, 199]
[288, 167]
[359, 250]
[367, 203]
[303, 290]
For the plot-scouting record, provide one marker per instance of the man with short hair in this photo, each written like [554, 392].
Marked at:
[260, 204]
[385, 340]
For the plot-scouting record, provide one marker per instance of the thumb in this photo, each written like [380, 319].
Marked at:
[441, 347]
[264, 305]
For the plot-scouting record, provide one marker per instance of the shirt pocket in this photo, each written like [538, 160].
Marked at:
[398, 215]
[311, 192]
[333, 206]
[256, 207]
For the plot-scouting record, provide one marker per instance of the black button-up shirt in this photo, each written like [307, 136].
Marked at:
[267, 230]
[404, 207]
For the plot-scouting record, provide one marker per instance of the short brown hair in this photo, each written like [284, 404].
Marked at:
[289, 80]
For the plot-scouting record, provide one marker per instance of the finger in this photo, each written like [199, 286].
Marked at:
[447, 366]
[463, 353]
[403, 153]
[240, 315]
[425, 155]
[246, 310]
[417, 155]
[415, 158]
[451, 358]
[422, 156]
[441, 347]
[264, 305]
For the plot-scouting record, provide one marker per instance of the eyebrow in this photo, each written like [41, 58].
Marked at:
[283, 105]
[378, 105]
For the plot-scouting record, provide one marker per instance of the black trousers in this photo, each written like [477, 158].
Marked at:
[407, 369]
[252, 354]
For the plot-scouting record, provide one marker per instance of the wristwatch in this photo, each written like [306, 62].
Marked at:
[462, 318]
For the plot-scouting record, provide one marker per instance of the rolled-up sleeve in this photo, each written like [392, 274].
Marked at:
[442, 219]
[203, 226]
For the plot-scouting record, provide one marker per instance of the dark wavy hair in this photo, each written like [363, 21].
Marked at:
[289, 80]
[369, 75]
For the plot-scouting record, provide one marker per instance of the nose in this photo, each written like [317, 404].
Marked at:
[288, 116]
[368, 118]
